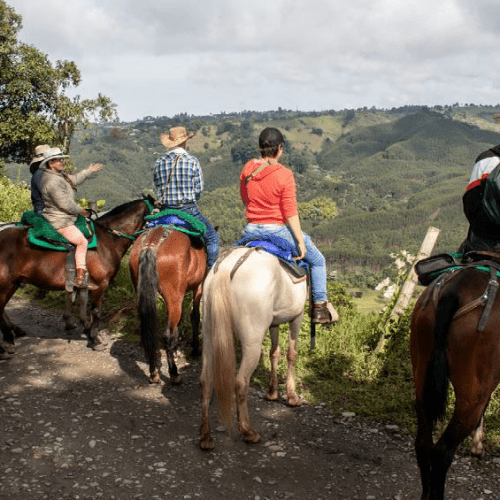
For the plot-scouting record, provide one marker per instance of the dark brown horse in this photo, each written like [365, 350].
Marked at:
[170, 262]
[455, 336]
[22, 262]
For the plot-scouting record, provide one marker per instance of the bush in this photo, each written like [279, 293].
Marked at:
[14, 200]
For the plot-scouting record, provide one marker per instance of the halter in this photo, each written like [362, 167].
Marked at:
[134, 236]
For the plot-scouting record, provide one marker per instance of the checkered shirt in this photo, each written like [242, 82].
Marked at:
[178, 178]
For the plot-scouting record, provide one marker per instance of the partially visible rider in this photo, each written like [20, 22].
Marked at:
[179, 183]
[60, 209]
[268, 191]
[483, 233]
[36, 175]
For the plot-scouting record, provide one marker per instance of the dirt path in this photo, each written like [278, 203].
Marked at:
[79, 424]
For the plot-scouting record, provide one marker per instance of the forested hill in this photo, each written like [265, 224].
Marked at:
[370, 182]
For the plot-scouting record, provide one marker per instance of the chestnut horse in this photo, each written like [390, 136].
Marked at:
[246, 298]
[454, 337]
[170, 262]
[22, 262]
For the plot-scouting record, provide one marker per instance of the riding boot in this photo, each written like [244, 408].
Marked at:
[80, 277]
[324, 313]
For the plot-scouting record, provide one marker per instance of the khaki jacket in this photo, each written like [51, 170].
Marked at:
[60, 208]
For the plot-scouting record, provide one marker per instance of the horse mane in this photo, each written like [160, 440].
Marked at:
[110, 216]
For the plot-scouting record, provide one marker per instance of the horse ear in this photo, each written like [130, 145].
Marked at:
[216, 228]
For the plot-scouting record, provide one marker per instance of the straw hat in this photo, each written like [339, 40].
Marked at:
[175, 136]
[39, 150]
[52, 154]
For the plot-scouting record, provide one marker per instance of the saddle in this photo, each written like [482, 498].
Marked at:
[447, 265]
[179, 220]
[42, 234]
[280, 248]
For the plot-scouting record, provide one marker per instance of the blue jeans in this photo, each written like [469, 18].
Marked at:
[313, 256]
[211, 236]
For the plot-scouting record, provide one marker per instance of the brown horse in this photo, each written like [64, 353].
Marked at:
[170, 262]
[455, 336]
[22, 262]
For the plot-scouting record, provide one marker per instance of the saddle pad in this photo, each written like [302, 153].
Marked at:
[181, 220]
[430, 268]
[42, 234]
[279, 247]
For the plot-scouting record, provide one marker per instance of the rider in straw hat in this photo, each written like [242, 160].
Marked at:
[60, 208]
[179, 183]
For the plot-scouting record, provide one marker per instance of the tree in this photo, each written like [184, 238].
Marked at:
[34, 107]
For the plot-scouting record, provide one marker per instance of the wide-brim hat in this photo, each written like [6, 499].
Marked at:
[52, 154]
[175, 136]
[39, 150]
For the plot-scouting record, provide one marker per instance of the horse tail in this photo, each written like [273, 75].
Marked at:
[147, 290]
[218, 334]
[437, 376]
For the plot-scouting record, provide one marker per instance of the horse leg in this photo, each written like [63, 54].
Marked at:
[464, 420]
[423, 447]
[195, 322]
[274, 356]
[91, 326]
[69, 322]
[291, 355]
[250, 359]
[207, 387]
[7, 327]
[171, 336]
[476, 446]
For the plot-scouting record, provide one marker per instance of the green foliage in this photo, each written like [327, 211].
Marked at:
[318, 209]
[14, 200]
[34, 106]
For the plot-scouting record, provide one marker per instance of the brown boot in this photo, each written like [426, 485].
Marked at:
[324, 313]
[80, 277]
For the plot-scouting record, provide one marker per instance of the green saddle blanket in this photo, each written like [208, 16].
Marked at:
[42, 234]
[182, 221]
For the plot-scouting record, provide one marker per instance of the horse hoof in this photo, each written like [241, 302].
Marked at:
[4, 356]
[294, 401]
[176, 380]
[155, 379]
[207, 443]
[70, 325]
[272, 396]
[252, 437]
[10, 348]
[98, 347]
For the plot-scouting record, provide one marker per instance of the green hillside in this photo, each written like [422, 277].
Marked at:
[390, 173]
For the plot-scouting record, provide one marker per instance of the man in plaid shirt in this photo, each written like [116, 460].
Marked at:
[179, 183]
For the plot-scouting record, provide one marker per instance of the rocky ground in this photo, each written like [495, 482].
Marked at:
[80, 424]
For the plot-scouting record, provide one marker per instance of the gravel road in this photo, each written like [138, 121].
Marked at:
[79, 424]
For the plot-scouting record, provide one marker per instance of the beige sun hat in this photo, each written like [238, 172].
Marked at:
[39, 150]
[52, 154]
[175, 136]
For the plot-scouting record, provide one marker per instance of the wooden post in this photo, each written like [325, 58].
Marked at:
[411, 280]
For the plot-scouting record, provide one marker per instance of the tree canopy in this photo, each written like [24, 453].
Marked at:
[34, 106]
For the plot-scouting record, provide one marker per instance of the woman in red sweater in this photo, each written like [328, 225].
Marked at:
[268, 190]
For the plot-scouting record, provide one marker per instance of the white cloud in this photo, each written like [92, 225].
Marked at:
[160, 57]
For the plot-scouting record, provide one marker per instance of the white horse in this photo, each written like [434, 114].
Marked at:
[246, 298]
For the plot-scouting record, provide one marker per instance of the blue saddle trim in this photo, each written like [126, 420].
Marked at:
[174, 220]
[274, 245]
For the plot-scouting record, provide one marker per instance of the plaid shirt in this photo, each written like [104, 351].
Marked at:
[178, 178]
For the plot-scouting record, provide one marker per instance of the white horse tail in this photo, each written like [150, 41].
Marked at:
[222, 350]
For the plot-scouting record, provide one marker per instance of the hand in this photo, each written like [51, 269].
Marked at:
[302, 251]
[95, 167]
[85, 213]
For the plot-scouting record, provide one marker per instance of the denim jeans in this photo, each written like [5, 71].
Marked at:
[211, 236]
[313, 256]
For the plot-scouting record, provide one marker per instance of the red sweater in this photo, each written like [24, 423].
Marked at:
[270, 196]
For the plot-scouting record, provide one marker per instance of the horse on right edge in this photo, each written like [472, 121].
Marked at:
[455, 337]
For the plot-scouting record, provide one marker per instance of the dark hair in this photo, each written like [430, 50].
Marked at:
[270, 140]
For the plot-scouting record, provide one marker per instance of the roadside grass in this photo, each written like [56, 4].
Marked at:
[345, 371]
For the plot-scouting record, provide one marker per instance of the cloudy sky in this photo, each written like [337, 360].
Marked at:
[163, 57]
